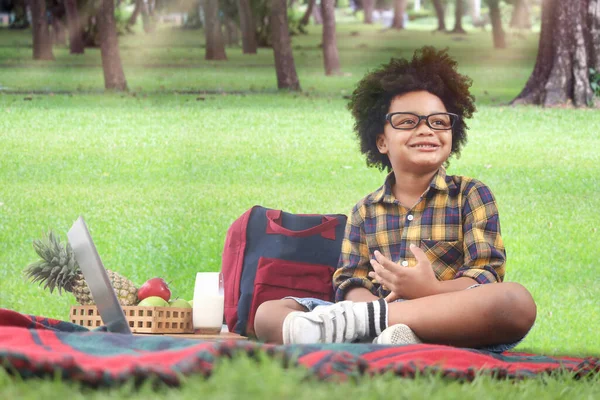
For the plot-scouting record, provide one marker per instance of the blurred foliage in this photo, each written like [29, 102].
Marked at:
[595, 81]
[229, 8]
[422, 13]
[88, 9]
[18, 8]
[193, 16]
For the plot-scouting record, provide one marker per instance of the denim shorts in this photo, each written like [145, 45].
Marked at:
[310, 303]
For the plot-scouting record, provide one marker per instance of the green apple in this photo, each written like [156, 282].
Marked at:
[181, 303]
[153, 301]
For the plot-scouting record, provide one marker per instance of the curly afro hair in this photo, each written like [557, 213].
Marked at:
[430, 70]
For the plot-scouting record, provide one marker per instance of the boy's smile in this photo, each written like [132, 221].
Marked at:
[417, 148]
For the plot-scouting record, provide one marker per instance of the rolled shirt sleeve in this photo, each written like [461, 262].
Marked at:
[484, 252]
[353, 265]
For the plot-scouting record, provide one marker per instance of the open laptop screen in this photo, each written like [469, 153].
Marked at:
[96, 278]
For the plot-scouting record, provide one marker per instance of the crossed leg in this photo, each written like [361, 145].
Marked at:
[486, 315]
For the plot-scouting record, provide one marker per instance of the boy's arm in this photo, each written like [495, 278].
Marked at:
[350, 280]
[484, 253]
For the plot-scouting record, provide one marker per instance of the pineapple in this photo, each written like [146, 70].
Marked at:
[57, 268]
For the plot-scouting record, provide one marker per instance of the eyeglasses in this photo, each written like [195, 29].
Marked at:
[406, 121]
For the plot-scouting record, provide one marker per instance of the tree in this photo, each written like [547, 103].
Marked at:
[368, 7]
[56, 14]
[569, 47]
[137, 8]
[42, 43]
[114, 77]
[476, 11]
[439, 12]
[458, 14]
[146, 8]
[261, 10]
[521, 16]
[148, 20]
[215, 45]
[247, 26]
[282, 47]
[317, 17]
[75, 28]
[330, 50]
[496, 19]
[232, 33]
[399, 9]
[306, 17]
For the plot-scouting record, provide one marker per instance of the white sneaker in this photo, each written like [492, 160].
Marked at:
[335, 323]
[397, 334]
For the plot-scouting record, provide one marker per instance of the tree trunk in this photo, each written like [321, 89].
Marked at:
[148, 22]
[317, 16]
[76, 45]
[306, 17]
[368, 6]
[42, 43]
[215, 48]
[59, 36]
[475, 10]
[136, 11]
[282, 47]
[330, 50]
[439, 12]
[399, 9]
[459, 11]
[231, 32]
[114, 77]
[594, 23]
[417, 5]
[567, 49]
[497, 30]
[521, 16]
[248, 27]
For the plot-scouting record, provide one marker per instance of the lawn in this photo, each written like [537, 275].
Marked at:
[160, 173]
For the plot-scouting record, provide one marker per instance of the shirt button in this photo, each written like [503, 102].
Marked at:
[410, 217]
[404, 263]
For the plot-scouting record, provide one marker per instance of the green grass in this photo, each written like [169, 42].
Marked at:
[159, 177]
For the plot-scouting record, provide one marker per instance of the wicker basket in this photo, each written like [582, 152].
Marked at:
[141, 319]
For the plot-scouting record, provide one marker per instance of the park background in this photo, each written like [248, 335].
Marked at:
[161, 166]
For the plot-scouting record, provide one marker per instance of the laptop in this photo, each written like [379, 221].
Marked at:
[96, 277]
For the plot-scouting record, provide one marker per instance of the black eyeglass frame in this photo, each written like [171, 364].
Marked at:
[455, 117]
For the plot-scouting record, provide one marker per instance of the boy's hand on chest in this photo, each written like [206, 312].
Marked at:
[405, 283]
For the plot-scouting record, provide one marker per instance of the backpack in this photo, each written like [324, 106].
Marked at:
[270, 254]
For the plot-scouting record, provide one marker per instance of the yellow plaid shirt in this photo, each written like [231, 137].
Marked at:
[455, 222]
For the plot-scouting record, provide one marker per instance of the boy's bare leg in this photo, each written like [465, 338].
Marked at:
[268, 320]
[485, 315]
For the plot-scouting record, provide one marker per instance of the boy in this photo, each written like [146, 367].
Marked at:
[422, 257]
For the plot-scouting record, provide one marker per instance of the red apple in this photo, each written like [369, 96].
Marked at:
[154, 287]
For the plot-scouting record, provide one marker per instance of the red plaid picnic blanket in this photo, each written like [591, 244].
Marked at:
[37, 346]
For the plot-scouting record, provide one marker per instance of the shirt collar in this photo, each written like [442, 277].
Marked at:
[439, 181]
[384, 193]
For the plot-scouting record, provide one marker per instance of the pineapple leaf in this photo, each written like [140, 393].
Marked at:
[56, 267]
